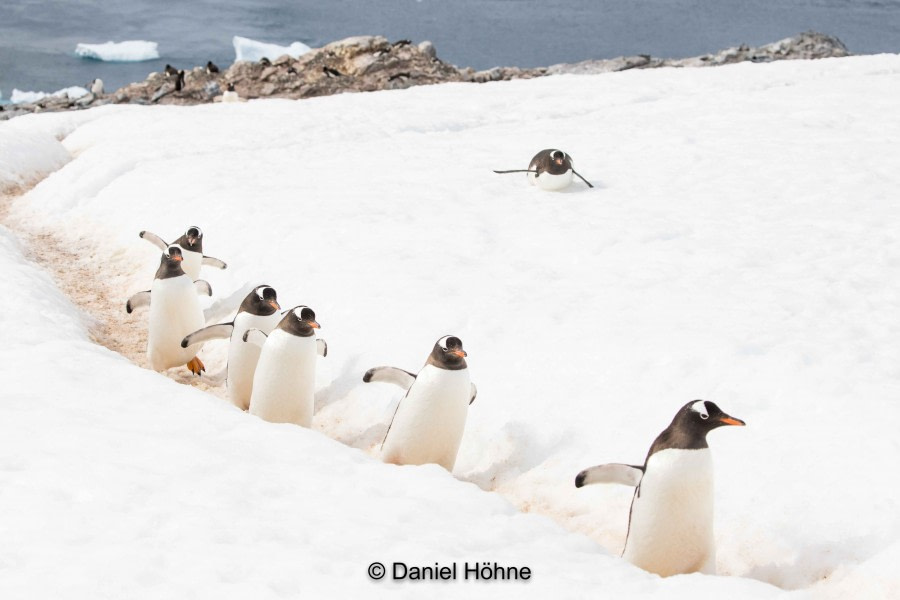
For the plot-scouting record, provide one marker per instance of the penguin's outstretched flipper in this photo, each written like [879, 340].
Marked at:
[255, 336]
[213, 332]
[518, 171]
[393, 375]
[610, 473]
[322, 347]
[203, 287]
[137, 301]
[195, 366]
[155, 240]
[582, 178]
[209, 261]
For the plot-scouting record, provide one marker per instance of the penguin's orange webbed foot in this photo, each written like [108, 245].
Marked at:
[196, 366]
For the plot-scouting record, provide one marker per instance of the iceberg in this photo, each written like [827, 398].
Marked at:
[247, 49]
[20, 97]
[130, 51]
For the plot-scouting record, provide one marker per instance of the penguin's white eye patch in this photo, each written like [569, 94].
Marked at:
[700, 407]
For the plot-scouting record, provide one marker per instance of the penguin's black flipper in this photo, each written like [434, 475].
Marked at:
[393, 375]
[137, 301]
[610, 473]
[519, 171]
[203, 287]
[474, 393]
[209, 261]
[322, 347]
[155, 240]
[213, 332]
[255, 336]
[582, 178]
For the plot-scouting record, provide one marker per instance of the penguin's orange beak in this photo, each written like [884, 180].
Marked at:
[732, 421]
[274, 305]
[459, 353]
[314, 325]
[178, 258]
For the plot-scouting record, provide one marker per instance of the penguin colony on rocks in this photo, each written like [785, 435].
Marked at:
[272, 357]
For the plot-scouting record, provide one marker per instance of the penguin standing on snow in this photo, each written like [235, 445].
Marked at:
[191, 245]
[670, 527]
[174, 312]
[230, 95]
[284, 384]
[550, 170]
[428, 423]
[259, 310]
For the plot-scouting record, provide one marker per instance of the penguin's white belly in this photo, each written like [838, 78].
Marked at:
[285, 381]
[671, 529]
[230, 97]
[429, 422]
[551, 182]
[191, 263]
[243, 357]
[174, 313]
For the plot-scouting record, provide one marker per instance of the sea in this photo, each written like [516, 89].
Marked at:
[38, 37]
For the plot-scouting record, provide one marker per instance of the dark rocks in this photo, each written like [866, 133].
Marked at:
[370, 63]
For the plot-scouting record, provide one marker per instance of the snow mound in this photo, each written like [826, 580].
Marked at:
[247, 49]
[129, 51]
[28, 155]
[20, 97]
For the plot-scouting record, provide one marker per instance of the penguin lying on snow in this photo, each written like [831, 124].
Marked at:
[191, 245]
[259, 310]
[284, 384]
[550, 170]
[174, 312]
[428, 424]
[670, 527]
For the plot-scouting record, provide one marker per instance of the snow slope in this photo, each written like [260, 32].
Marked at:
[739, 246]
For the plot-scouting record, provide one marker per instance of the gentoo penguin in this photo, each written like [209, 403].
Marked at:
[670, 527]
[97, 87]
[428, 423]
[550, 170]
[191, 245]
[329, 72]
[284, 384]
[230, 95]
[265, 62]
[170, 70]
[211, 68]
[179, 82]
[259, 310]
[174, 312]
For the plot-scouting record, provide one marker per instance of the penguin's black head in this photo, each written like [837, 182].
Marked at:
[170, 263]
[262, 301]
[193, 235]
[448, 354]
[230, 87]
[555, 162]
[172, 255]
[702, 416]
[300, 321]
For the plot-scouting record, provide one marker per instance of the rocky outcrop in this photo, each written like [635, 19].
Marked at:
[370, 63]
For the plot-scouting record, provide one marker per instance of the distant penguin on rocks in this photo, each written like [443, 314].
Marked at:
[211, 69]
[265, 62]
[284, 384]
[428, 424]
[329, 72]
[230, 95]
[174, 312]
[191, 245]
[259, 310]
[550, 170]
[670, 528]
[179, 82]
[97, 87]
[170, 70]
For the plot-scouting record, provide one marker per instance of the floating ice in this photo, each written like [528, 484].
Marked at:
[130, 51]
[20, 97]
[247, 49]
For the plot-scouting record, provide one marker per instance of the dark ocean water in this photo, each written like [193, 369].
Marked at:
[38, 37]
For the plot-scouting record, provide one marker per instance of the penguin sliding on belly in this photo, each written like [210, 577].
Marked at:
[191, 245]
[259, 310]
[284, 384]
[174, 312]
[550, 170]
[670, 527]
[428, 423]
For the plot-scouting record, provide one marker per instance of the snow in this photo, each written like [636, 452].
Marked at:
[20, 97]
[128, 51]
[740, 246]
[251, 50]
